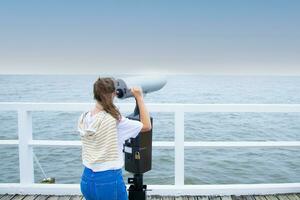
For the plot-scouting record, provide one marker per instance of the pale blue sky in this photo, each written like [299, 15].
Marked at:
[206, 37]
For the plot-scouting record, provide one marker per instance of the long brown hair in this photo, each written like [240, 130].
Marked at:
[103, 89]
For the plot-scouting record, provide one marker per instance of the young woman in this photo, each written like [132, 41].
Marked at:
[103, 131]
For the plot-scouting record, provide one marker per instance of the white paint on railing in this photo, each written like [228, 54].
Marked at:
[25, 151]
[243, 144]
[26, 144]
[179, 148]
[9, 142]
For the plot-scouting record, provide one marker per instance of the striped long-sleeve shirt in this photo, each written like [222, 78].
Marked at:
[102, 139]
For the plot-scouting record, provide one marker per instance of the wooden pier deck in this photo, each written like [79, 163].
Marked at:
[156, 197]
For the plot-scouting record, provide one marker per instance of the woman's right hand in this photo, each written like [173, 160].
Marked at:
[136, 92]
[144, 114]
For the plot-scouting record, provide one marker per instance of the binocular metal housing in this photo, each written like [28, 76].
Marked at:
[138, 151]
[148, 84]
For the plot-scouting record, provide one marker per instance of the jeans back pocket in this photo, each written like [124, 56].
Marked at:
[106, 191]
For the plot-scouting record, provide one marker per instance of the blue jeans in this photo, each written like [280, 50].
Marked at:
[103, 185]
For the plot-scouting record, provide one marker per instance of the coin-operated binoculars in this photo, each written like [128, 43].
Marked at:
[138, 150]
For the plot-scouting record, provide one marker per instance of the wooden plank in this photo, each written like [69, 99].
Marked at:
[42, 197]
[18, 197]
[7, 196]
[30, 197]
[190, 197]
[13, 196]
[249, 197]
[2, 195]
[202, 197]
[64, 197]
[168, 198]
[282, 197]
[237, 197]
[195, 198]
[179, 198]
[293, 197]
[271, 197]
[154, 197]
[52, 197]
[226, 197]
[76, 197]
[214, 197]
[183, 197]
[259, 197]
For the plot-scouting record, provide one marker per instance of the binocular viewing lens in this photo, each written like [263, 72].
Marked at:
[119, 93]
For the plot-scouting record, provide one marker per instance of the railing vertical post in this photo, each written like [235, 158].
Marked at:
[25, 151]
[179, 147]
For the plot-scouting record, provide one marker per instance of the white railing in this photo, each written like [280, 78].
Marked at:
[26, 145]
